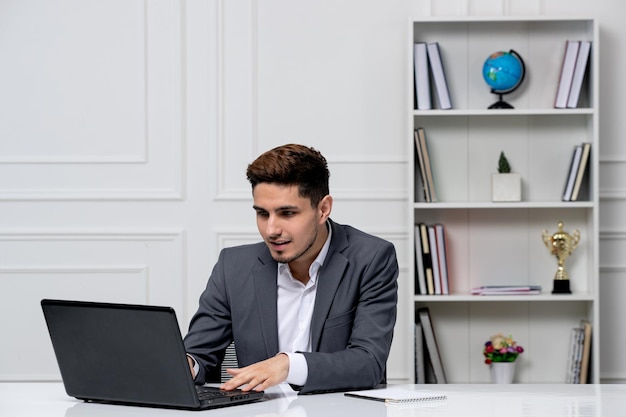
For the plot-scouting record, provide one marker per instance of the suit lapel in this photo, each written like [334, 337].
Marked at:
[264, 278]
[329, 278]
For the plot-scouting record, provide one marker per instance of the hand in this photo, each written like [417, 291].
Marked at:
[259, 376]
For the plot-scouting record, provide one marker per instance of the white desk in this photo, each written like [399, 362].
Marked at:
[518, 400]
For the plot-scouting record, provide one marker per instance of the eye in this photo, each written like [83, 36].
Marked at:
[261, 213]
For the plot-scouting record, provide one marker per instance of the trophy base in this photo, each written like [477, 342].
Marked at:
[561, 286]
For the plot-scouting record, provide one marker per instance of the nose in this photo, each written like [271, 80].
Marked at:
[272, 226]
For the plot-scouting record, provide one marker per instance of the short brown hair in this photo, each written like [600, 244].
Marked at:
[293, 164]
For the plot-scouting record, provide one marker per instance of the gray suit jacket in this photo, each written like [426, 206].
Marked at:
[353, 318]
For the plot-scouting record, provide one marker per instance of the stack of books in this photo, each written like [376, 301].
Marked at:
[428, 362]
[576, 173]
[573, 70]
[431, 260]
[425, 168]
[507, 290]
[429, 65]
[579, 353]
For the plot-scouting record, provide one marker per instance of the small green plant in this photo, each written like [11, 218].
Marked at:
[503, 164]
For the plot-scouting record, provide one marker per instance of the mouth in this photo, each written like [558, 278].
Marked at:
[278, 245]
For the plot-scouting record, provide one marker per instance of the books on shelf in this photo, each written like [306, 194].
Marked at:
[420, 166]
[432, 347]
[507, 290]
[434, 254]
[422, 83]
[579, 354]
[420, 274]
[573, 71]
[580, 69]
[573, 359]
[586, 351]
[576, 173]
[578, 360]
[567, 73]
[425, 168]
[420, 363]
[427, 67]
[582, 168]
[427, 261]
[439, 75]
[571, 176]
[432, 267]
[443, 258]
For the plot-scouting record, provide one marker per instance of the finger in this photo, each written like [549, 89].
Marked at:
[233, 371]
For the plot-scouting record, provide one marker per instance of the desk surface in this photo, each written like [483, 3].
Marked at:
[17, 399]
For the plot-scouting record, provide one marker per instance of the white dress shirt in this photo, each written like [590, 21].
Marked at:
[295, 311]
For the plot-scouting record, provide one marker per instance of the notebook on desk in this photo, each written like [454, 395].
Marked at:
[128, 354]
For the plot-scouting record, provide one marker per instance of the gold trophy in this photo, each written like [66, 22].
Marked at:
[561, 244]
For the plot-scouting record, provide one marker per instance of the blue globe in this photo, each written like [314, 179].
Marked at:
[503, 71]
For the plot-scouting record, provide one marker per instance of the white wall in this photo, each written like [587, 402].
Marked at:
[126, 127]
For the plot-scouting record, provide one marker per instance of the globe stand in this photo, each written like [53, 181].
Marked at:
[500, 104]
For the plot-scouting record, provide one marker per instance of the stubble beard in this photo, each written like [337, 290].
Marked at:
[285, 260]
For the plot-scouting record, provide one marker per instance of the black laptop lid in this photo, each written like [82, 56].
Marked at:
[120, 353]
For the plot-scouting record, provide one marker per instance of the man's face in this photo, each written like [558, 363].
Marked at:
[292, 229]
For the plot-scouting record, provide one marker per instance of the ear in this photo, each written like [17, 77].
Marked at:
[324, 208]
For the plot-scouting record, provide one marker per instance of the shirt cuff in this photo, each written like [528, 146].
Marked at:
[196, 367]
[298, 369]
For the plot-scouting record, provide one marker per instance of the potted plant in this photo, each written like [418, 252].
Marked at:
[500, 353]
[505, 185]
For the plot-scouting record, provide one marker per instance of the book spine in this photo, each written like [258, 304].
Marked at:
[422, 84]
[567, 73]
[431, 345]
[573, 169]
[439, 76]
[586, 351]
[580, 69]
[421, 165]
[420, 276]
[421, 133]
[434, 254]
[420, 370]
[443, 258]
[582, 167]
[427, 260]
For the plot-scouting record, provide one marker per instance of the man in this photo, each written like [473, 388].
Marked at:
[313, 305]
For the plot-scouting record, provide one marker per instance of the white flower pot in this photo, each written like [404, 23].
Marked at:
[502, 372]
[506, 187]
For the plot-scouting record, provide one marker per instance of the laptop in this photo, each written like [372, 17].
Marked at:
[128, 354]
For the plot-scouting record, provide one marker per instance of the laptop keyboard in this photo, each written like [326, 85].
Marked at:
[207, 393]
[211, 393]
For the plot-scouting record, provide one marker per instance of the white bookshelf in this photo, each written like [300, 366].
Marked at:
[501, 243]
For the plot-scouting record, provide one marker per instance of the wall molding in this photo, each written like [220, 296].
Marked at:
[392, 192]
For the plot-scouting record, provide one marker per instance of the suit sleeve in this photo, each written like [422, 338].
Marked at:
[362, 363]
[210, 329]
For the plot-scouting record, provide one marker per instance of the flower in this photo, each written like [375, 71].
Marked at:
[501, 349]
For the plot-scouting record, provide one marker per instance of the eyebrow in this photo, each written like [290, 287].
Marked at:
[278, 208]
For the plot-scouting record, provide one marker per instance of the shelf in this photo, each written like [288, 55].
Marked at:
[455, 298]
[504, 112]
[513, 205]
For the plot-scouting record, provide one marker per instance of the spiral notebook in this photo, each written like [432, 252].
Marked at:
[398, 395]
